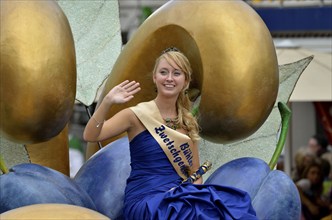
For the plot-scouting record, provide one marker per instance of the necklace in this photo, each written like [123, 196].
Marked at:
[172, 123]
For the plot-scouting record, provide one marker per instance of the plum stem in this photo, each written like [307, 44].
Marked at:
[285, 114]
[3, 166]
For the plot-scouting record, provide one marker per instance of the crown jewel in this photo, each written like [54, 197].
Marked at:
[169, 49]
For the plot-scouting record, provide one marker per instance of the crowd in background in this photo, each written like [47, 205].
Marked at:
[312, 175]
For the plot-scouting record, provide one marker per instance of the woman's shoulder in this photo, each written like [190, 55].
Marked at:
[127, 112]
[144, 103]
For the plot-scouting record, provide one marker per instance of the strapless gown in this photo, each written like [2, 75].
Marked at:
[154, 190]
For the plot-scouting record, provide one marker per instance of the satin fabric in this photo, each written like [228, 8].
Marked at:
[154, 190]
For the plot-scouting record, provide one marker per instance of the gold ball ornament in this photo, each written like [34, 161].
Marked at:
[38, 71]
[233, 58]
[52, 211]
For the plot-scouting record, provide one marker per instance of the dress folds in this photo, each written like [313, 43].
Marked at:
[154, 190]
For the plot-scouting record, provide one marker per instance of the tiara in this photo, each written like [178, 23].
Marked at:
[169, 49]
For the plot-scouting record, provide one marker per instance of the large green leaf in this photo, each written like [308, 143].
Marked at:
[97, 35]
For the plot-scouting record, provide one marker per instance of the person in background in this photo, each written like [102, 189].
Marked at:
[302, 160]
[316, 147]
[310, 187]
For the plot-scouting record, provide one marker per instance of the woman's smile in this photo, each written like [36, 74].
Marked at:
[169, 85]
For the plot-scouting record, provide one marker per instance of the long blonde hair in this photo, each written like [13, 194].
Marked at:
[185, 118]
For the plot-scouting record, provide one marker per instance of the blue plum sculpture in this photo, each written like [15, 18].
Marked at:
[104, 177]
[274, 194]
[27, 184]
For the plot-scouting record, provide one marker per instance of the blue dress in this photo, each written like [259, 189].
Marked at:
[154, 190]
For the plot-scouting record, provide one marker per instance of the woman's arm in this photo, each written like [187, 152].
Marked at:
[97, 129]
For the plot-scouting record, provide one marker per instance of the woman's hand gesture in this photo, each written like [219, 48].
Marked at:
[123, 92]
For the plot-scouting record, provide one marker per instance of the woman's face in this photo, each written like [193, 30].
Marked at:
[313, 145]
[169, 78]
[314, 175]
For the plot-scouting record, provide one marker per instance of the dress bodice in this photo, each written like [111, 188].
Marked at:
[151, 169]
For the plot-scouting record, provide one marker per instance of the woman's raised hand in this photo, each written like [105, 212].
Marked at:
[123, 92]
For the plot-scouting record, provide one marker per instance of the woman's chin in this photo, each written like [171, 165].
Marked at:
[168, 93]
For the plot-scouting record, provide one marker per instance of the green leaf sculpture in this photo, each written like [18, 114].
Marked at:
[97, 35]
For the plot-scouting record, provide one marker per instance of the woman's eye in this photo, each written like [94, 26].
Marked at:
[177, 73]
[163, 72]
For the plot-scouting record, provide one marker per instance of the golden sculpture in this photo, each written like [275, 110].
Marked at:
[53, 153]
[53, 211]
[38, 71]
[230, 48]
[233, 58]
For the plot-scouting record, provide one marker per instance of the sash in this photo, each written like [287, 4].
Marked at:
[176, 146]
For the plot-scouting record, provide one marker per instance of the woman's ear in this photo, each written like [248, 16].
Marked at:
[187, 85]
[154, 78]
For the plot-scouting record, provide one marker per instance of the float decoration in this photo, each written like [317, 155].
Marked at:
[260, 144]
[28, 183]
[97, 36]
[52, 211]
[38, 71]
[11, 153]
[266, 135]
[110, 166]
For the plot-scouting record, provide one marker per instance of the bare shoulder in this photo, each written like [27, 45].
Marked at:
[127, 112]
[128, 115]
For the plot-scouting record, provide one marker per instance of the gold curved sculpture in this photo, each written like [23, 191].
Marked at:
[233, 58]
[38, 71]
[53, 153]
[53, 211]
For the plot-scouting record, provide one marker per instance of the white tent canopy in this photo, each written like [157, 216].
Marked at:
[315, 83]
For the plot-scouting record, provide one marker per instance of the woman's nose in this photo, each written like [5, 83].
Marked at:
[169, 77]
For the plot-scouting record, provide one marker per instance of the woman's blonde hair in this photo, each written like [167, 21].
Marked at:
[185, 118]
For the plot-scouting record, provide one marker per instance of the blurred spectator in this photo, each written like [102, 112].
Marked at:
[302, 159]
[328, 157]
[327, 169]
[318, 144]
[314, 205]
[316, 147]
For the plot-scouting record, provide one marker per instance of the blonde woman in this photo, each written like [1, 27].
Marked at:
[163, 137]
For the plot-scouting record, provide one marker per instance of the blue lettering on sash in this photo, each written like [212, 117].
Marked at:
[185, 148]
[158, 130]
[187, 153]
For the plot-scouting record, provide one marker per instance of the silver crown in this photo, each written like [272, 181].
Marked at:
[169, 49]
